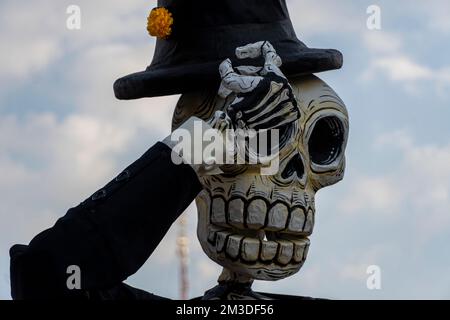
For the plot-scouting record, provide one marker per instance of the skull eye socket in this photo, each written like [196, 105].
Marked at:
[326, 141]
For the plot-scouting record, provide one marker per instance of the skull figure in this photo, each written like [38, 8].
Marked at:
[256, 226]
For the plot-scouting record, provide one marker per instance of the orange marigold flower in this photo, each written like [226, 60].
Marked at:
[159, 23]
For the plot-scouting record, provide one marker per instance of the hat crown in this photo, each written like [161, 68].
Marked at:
[212, 13]
[211, 30]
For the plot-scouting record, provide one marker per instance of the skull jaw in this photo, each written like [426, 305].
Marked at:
[269, 272]
[236, 264]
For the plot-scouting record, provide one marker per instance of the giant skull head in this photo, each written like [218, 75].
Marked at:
[258, 226]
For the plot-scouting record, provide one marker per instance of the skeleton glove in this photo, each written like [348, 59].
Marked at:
[264, 98]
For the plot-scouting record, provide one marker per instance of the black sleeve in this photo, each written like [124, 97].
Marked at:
[111, 234]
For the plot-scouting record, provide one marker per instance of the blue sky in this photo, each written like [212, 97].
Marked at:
[63, 135]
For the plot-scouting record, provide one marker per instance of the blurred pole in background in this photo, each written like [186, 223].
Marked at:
[183, 255]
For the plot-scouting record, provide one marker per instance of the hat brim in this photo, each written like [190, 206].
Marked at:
[184, 78]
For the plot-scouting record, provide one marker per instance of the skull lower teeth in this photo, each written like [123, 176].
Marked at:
[250, 250]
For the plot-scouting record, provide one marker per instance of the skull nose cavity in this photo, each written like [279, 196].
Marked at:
[294, 166]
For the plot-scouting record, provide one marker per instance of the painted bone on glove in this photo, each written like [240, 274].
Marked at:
[264, 98]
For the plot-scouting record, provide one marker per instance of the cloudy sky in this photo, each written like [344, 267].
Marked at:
[63, 135]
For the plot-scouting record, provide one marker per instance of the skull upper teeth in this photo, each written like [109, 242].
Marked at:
[297, 220]
[257, 214]
[255, 218]
[278, 216]
[236, 213]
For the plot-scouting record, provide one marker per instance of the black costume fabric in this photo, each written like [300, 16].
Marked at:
[109, 236]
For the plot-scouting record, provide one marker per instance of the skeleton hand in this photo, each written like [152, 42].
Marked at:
[264, 97]
[220, 121]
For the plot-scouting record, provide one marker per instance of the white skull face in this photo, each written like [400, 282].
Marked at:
[258, 226]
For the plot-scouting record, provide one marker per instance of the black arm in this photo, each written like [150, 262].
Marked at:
[110, 235]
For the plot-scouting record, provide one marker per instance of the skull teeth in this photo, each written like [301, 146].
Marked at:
[254, 231]
[278, 216]
[269, 250]
[258, 215]
[286, 252]
[309, 225]
[221, 240]
[218, 212]
[251, 250]
[300, 250]
[236, 213]
[297, 220]
[233, 246]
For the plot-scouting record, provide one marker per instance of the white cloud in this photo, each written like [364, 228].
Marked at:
[372, 194]
[26, 50]
[35, 39]
[409, 74]
[400, 69]
[21, 62]
[389, 54]
[388, 57]
[381, 42]
[437, 15]
[415, 189]
[311, 18]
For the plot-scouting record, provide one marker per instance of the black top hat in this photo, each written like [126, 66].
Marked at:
[205, 32]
